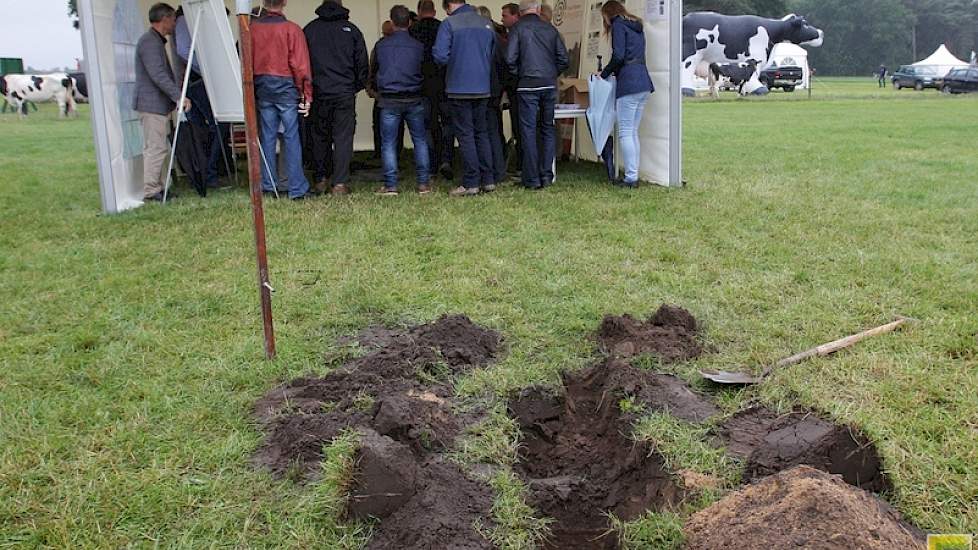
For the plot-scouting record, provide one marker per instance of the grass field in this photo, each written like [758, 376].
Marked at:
[130, 349]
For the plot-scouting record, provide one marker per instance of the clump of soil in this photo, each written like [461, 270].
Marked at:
[670, 334]
[400, 389]
[801, 508]
[578, 462]
[398, 396]
[423, 502]
[770, 443]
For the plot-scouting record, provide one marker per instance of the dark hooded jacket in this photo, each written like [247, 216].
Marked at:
[628, 58]
[337, 52]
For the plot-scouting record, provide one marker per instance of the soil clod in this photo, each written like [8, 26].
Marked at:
[578, 462]
[670, 335]
[801, 508]
[770, 443]
[399, 398]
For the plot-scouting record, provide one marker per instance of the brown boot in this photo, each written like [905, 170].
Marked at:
[321, 186]
[340, 189]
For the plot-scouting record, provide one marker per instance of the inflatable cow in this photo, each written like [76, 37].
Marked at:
[712, 38]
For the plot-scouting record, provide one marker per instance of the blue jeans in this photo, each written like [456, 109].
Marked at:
[278, 102]
[630, 109]
[469, 119]
[538, 154]
[392, 117]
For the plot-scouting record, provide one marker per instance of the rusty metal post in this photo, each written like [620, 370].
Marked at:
[254, 178]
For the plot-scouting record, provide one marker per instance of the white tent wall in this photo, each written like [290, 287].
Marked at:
[110, 29]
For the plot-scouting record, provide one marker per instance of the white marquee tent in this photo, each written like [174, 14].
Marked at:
[941, 61]
[788, 54]
[111, 28]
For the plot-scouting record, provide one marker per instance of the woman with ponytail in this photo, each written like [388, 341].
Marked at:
[633, 81]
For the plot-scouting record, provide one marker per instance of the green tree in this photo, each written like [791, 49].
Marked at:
[763, 8]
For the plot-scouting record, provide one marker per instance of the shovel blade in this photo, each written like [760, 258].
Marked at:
[730, 378]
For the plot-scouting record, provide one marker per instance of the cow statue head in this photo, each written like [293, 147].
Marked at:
[801, 33]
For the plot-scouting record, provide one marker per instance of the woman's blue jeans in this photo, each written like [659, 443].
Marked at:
[630, 109]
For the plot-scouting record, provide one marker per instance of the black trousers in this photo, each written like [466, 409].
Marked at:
[332, 138]
[470, 120]
[494, 126]
[514, 121]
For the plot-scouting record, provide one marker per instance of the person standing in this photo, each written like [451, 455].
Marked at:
[396, 75]
[633, 81]
[494, 113]
[882, 76]
[338, 54]
[441, 137]
[156, 96]
[465, 46]
[537, 56]
[511, 16]
[283, 86]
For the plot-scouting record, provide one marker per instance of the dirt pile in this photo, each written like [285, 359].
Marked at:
[801, 508]
[670, 334]
[577, 460]
[769, 443]
[399, 397]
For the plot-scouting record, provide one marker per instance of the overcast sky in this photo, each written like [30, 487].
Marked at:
[40, 32]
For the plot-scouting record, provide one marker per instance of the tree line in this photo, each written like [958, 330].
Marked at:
[860, 35]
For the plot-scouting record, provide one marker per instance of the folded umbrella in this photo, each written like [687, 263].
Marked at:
[601, 118]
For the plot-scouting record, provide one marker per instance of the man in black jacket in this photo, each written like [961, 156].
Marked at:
[536, 55]
[441, 138]
[338, 55]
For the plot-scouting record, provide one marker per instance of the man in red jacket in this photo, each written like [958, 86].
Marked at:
[283, 89]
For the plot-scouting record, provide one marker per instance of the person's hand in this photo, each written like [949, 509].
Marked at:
[186, 104]
[304, 109]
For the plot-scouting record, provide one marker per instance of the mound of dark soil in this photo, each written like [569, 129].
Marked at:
[423, 502]
[770, 443]
[670, 335]
[398, 396]
[801, 508]
[400, 389]
[578, 462]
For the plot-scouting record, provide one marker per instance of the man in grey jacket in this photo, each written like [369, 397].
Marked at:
[157, 94]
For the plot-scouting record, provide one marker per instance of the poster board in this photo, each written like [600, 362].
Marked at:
[217, 55]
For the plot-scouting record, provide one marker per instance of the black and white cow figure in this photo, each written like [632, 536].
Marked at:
[710, 38]
[18, 89]
[732, 75]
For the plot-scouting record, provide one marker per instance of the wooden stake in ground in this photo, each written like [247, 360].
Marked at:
[254, 176]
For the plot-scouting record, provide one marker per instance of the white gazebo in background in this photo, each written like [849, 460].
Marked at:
[110, 29]
[941, 61]
[787, 54]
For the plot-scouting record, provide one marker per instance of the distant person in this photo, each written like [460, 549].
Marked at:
[157, 94]
[882, 76]
[465, 46]
[633, 81]
[396, 72]
[438, 122]
[536, 55]
[283, 88]
[339, 70]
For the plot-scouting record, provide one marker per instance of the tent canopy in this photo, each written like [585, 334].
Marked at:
[941, 61]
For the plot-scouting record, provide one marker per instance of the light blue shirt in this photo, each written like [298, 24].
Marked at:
[181, 39]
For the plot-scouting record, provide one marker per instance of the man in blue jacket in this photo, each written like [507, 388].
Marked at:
[396, 75]
[465, 45]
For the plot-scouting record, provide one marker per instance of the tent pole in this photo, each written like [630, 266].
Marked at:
[183, 98]
[254, 174]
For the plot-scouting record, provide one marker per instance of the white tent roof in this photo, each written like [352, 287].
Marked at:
[787, 49]
[942, 59]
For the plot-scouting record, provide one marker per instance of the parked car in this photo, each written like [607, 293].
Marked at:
[960, 81]
[786, 77]
[917, 78]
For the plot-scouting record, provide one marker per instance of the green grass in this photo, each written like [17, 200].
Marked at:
[130, 349]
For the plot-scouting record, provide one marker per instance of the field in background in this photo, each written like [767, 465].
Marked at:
[130, 345]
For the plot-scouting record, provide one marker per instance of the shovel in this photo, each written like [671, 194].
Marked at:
[740, 378]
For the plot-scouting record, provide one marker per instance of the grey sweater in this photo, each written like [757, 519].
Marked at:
[157, 90]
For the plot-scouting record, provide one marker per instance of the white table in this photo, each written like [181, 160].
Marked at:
[567, 114]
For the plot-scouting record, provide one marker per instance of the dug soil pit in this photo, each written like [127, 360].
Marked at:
[801, 508]
[577, 459]
[769, 443]
[670, 335]
[399, 398]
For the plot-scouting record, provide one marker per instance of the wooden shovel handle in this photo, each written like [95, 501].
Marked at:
[832, 347]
